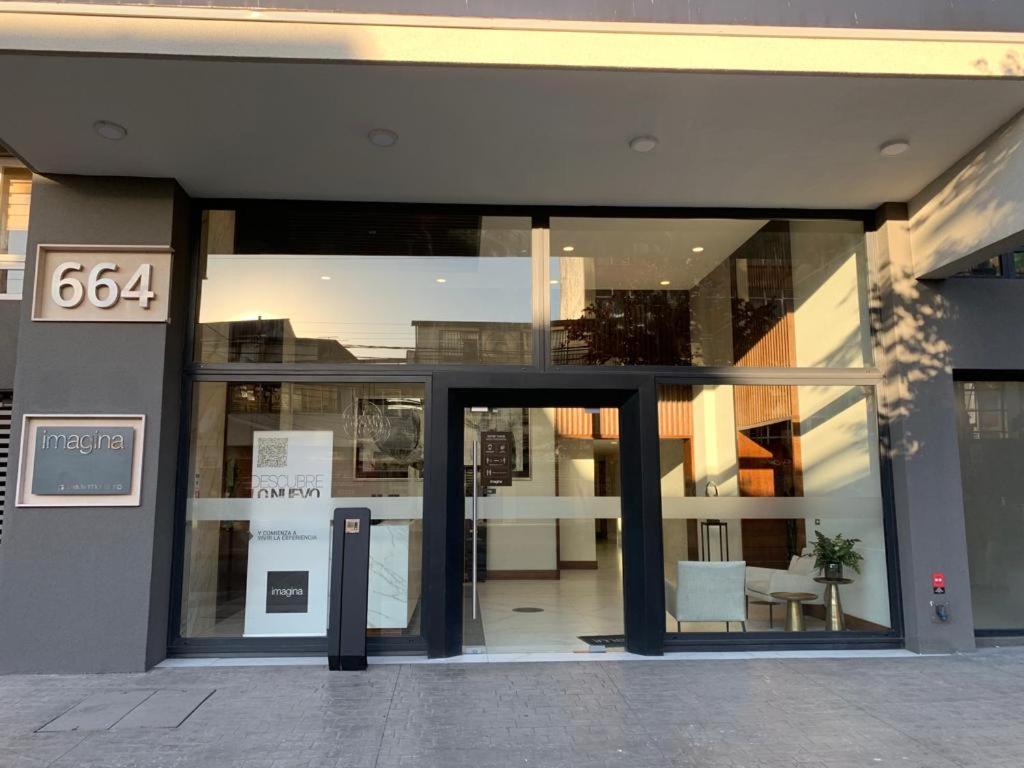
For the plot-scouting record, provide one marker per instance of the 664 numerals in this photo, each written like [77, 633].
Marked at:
[68, 289]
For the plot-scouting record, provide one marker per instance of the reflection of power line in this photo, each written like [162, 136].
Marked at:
[377, 346]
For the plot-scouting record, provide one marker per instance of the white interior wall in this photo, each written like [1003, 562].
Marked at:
[838, 442]
[577, 536]
[673, 486]
[714, 458]
[516, 539]
[829, 290]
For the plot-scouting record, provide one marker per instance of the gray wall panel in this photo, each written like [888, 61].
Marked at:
[10, 316]
[983, 320]
[86, 584]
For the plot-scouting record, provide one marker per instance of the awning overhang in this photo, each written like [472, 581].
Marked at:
[264, 104]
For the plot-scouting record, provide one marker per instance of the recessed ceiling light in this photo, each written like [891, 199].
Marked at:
[441, 280]
[325, 277]
[894, 147]
[665, 282]
[554, 282]
[643, 143]
[568, 248]
[109, 130]
[698, 249]
[382, 137]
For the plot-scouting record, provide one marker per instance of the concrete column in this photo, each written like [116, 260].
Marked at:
[919, 404]
[87, 589]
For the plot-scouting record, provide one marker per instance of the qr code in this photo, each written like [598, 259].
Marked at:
[273, 452]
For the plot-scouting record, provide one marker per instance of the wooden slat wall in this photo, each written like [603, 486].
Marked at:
[675, 417]
[608, 424]
[769, 282]
[759, 405]
[675, 411]
[573, 422]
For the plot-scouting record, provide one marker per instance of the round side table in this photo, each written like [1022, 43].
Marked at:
[834, 620]
[794, 608]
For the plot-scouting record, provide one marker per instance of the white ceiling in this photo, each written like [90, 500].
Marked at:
[640, 253]
[297, 130]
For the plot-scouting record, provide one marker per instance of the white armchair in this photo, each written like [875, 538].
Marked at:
[799, 577]
[707, 592]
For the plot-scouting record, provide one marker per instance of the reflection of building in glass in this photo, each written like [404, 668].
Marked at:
[247, 341]
[441, 341]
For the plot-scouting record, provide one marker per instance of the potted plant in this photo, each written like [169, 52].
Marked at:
[833, 553]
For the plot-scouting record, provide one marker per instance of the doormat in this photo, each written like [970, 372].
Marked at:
[605, 641]
[528, 609]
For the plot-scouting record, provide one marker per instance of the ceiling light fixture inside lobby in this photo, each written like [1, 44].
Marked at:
[894, 147]
[382, 137]
[110, 131]
[643, 143]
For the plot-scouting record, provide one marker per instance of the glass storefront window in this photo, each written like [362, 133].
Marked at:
[750, 475]
[268, 464]
[991, 436]
[318, 283]
[704, 292]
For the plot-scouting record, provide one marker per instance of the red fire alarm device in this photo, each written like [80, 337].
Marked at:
[939, 583]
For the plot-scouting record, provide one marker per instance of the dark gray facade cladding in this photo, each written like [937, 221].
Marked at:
[10, 316]
[87, 589]
[993, 15]
[929, 329]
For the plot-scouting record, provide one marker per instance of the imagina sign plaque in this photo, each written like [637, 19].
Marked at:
[80, 460]
[83, 461]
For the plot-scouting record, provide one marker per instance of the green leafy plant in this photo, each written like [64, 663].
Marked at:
[836, 549]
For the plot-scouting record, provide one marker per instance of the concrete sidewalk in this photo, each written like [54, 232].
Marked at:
[917, 712]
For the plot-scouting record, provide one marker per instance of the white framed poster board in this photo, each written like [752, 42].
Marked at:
[288, 573]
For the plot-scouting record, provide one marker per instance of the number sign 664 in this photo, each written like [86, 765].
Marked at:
[68, 291]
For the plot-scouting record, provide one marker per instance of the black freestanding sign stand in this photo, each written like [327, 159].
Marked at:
[350, 574]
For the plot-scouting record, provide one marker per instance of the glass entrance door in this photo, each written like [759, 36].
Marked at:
[543, 530]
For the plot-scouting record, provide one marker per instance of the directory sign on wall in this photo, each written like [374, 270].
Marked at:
[497, 449]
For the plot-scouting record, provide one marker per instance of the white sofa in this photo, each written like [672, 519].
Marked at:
[799, 577]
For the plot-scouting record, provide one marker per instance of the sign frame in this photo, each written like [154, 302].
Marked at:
[37, 287]
[30, 422]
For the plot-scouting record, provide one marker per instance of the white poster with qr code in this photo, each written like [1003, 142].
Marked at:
[289, 534]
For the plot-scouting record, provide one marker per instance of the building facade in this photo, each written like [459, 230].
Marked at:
[616, 321]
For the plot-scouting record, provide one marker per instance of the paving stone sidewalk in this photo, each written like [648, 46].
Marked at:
[920, 712]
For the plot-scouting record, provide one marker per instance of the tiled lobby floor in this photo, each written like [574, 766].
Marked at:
[579, 603]
[785, 712]
[586, 602]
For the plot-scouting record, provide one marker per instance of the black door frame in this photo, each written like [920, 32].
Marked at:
[444, 490]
